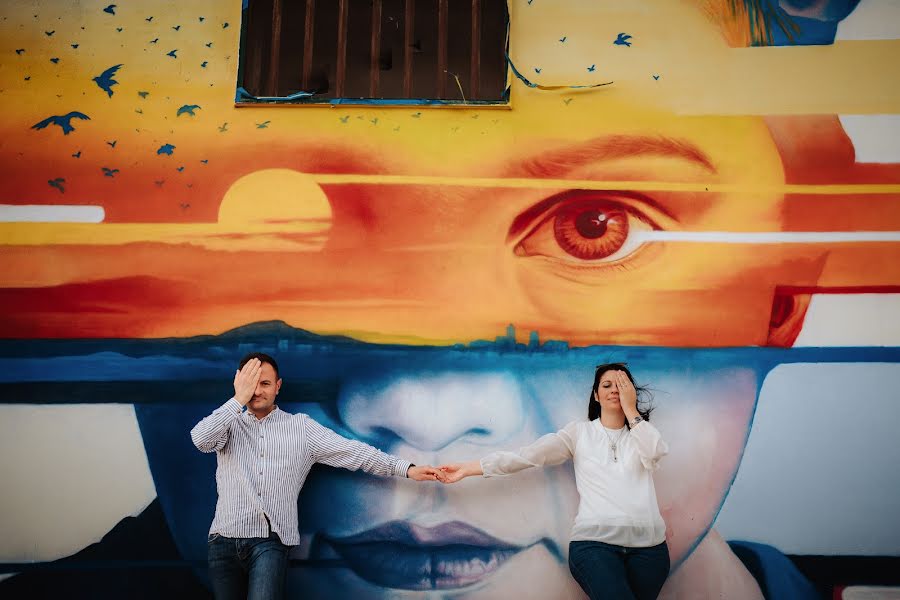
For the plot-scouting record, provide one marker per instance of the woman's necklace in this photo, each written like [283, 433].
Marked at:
[613, 444]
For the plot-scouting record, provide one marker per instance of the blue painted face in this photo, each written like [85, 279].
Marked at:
[368, 536]
[363, 536]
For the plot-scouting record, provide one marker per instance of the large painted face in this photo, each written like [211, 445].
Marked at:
[495, 538]
[452, 262]
[551, 224]
[439, 262]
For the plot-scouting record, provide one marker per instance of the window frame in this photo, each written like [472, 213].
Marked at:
[244, 98]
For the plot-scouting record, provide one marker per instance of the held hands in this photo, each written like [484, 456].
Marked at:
[447, 473]
[246, 380]
[454, 472]
[424, 473]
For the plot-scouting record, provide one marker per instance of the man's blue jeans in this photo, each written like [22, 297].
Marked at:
[247, 568]
[616, 572]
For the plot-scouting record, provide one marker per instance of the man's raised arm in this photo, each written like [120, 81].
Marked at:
[211, 434]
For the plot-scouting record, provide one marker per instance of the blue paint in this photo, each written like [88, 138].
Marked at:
[622, 40]
[64, 122]
[105, 80]
[173, 383]
[810, 32]
[242, 95]
[187, 109]
[305, 355]
[531, 84]
[790, 30]
[58, 184]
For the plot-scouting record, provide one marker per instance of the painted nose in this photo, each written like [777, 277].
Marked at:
[433, 412]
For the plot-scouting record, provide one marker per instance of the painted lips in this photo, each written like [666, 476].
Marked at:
[406, 556]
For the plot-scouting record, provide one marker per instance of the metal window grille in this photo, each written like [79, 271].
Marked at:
[309, 51]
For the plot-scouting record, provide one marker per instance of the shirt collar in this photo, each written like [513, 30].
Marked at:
[250, 415]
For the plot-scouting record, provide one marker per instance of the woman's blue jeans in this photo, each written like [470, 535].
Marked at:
[619, 573]
[247, 568]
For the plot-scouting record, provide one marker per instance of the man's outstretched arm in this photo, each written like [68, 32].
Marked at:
[329, 448]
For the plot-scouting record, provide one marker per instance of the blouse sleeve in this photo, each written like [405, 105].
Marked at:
[650, 445]
[551, 449]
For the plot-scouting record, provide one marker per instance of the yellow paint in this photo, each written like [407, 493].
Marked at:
[274, 195]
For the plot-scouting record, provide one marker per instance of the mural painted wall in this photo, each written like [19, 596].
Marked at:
[439, 282]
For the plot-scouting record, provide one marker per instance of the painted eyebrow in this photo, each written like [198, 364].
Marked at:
[558, 163]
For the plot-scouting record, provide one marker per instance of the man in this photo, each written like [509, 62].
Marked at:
[264, 455]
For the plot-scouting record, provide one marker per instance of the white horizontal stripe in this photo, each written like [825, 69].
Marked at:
[767, 237]
[53, 213]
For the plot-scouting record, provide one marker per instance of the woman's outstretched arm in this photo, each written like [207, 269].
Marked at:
[456, 471]
[551, 449]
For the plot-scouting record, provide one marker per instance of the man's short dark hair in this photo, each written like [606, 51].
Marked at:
[264, 358]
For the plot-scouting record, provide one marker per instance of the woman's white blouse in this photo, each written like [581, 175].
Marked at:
[618, 500]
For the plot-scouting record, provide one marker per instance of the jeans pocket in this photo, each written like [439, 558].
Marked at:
[212, 537]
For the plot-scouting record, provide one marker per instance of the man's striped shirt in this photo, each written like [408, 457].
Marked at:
[263, 463]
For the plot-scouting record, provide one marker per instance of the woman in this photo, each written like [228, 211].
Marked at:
[618, 547]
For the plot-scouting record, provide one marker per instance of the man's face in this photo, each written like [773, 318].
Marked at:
[263, 400]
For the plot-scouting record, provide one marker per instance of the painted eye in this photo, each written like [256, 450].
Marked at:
[587, 229]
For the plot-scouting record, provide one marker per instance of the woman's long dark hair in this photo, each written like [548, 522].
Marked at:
[644, 396]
